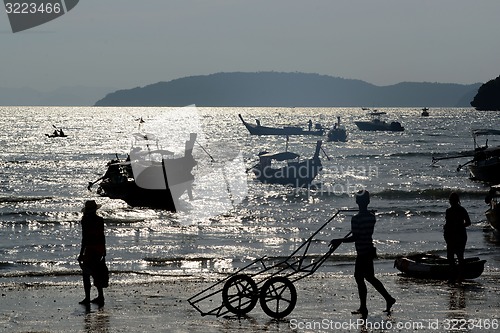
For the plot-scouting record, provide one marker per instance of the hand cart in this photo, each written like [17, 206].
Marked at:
[272, 285]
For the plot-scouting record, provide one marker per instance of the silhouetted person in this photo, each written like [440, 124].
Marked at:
[92, 253]
[455, 235]
[310, 124]
[362, 227]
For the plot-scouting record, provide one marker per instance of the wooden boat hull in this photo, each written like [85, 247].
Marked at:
[291, 130]
[429, 266]
[142, 183]
[295, 174]
[486, 170]
[136, 196]
[493, 217]
[337, 135]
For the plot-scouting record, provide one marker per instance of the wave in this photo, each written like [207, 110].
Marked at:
[17, 274]
[12, 199]
[431, 193]
[5, 265]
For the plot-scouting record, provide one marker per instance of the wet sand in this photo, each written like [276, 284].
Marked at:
[324, 304]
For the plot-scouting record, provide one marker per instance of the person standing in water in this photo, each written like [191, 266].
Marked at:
[362, 227]
[455, 234]
[92, 253]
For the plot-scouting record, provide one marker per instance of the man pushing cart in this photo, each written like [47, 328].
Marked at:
[263, 281]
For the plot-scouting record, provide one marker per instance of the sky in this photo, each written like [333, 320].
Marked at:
[124, 44]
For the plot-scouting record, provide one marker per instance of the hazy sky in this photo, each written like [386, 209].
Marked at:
[126, 43]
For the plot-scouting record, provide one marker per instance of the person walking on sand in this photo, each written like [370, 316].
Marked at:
[92, 253]
[362, 227]
[455, 234]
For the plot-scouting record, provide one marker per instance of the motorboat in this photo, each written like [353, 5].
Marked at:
[376, 124]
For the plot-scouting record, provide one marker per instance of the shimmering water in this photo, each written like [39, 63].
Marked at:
[43, 186]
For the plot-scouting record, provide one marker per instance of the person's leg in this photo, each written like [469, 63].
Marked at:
[86, 288]
[99, 300]
[98, 284]
[359, 276]
[389, 300]
[450, 253]
[461, 260]
[451, 250]
[370, 277]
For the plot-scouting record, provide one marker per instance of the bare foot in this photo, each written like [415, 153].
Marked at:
[389, 303]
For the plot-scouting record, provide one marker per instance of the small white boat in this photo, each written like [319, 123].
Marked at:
[375, 124]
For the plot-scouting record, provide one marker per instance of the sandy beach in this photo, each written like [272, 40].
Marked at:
[324, 304]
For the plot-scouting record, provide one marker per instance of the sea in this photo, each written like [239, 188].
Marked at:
[233, 219]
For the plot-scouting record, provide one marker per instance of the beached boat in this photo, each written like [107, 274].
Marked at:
[425, 112]
[295, 173]
[485, 163]
[149, 177]
[258, 129]
[375, 124]
[431, 266]
[338, 133]
[493, 213]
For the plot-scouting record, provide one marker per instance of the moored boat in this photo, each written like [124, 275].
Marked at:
[431, 266]
[294, 173]
[338, 133]
[375, 124]
[258, 129]
[493, 213]
[150, 178]
[485, 163]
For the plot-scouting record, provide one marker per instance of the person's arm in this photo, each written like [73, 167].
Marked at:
[336, 241]
[467, 218]
[82, 250]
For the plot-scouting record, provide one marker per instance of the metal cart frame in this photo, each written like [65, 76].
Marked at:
[272, 285]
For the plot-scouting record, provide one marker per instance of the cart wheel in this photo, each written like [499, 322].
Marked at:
[239, 294]
[278, 297]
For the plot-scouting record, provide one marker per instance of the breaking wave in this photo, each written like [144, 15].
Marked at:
[429, 194]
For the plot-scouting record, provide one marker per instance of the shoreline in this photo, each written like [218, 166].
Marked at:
[324, 303]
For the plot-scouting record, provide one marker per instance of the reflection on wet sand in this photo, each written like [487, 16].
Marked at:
[96, 321]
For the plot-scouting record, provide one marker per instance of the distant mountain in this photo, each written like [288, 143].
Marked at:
[69, 96]
[488, 96]
[288, 90]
